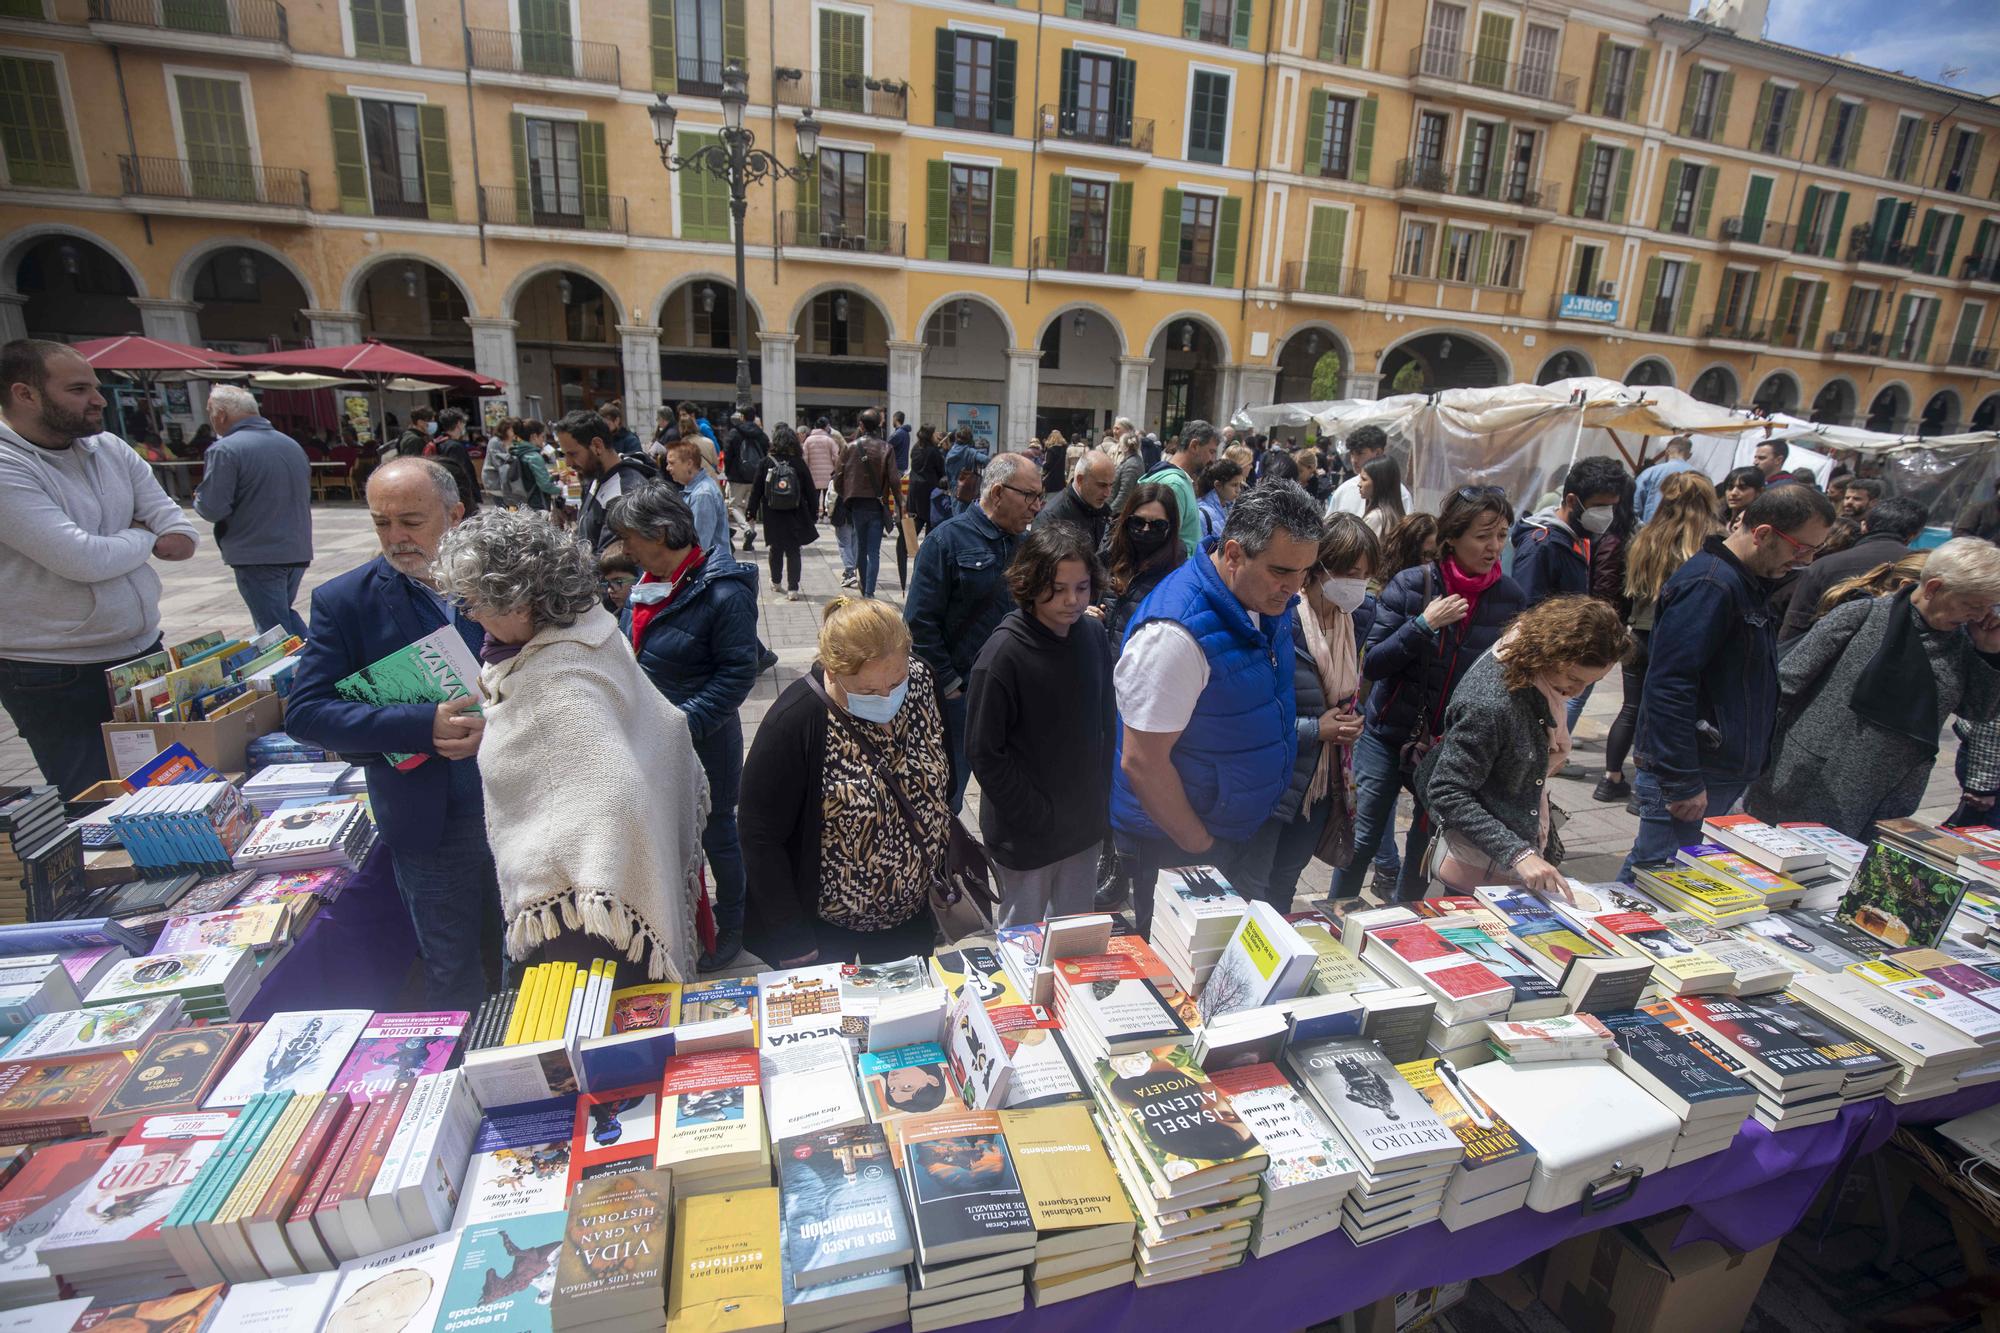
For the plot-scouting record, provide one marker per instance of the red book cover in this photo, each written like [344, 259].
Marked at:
[283, 1195]
[616, 1132]
[364, 1156]
[37, 1196]
[1099, 967]
[352, 1114]
[1455, 973]
[1414, 942]
[706, 1071]
[1134, 947]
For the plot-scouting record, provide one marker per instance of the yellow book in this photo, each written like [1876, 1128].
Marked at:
[524, 1003]
[555, 1003]
[1067, 1177]
[726, 1275]
[649, 1004]
[263, 1168]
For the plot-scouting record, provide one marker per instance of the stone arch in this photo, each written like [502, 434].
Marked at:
[1725, 374]
[1224, 356]
[1503, 365]
[1987, 415]
[1943, 422]
[1846, 400]
[1339, 341]
[1665, 372]
[1071, 307]
[1571, 353]
[190, 264]
[19, 242]
[526, 276]
[1903, 407]
[657, 311]
[357, 278]
[1798, 389]
[924, 320]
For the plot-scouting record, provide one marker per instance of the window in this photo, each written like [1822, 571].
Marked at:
[545, 37]
[1510, 250]
[393, 137]
[1796, 328]
[555, 172]
[1198, 217]
[843, 195]
[943, 330]
[381, 29]
[1961, 154]
[1218, 17]
[1597, 193]
[1584, 268]
[1521, 169]
[1457, 261]
[1906, 343]
[1208, 117]
[1413, 255]
[1618, 89]
[1707, 90]
[215, 137]
[228, 282]
[1817, 220]
[1773, 139]
[1476, 171]
[971, 217]
[1337, 134]
[1343, 31]
[711, 328]
[1906, 148]
[1666, 300]
[843, 45]
[1442, 39]
[1686, 200]
[972, 82]
[1431, 129]
[1739, 290]
[698, 45]
[833, 335]
[1089, 224]
[1538, 60]
[34, 134]
[1095, 106]
[1864, 304]
[1100, 11]
[1842, 129]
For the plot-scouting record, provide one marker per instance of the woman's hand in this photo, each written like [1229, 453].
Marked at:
[1094, 610]
[1340, 726]
[1543, 878]
[803, 960]
[1446, 610]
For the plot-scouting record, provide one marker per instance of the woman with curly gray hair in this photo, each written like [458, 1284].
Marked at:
[568, 708]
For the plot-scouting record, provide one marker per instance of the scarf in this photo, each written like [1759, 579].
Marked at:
[1897, 690]
[1333, 656]
[651, 595]
[493, 652]
[1468, 586]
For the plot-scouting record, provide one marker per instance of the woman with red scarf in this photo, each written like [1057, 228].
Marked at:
[1433, 622]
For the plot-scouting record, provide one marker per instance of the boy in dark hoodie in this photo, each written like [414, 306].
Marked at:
[1552, 548]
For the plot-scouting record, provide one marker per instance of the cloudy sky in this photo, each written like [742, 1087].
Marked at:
[1924, 38]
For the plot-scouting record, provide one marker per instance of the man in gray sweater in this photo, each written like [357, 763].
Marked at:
[80, 518]
[256, 487]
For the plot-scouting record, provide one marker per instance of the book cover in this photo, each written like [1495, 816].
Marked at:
[257, 926]
[139, 1183]
[615, 1252]
[276, 1305]
[614, 1132]
[980, 967]
[978, 1062]
[1492, 1146]
[960, 1180]
[843, 1209]
[1264, 961]
[1742, 870]
[399, 1289]
[650, 1004]
[1176, 1119]
[395, 1046]
[1502, 958]
[1066, 1175]
[1044, 1071]
[713, 1109]
[809, 1086]
[183, 1310]
[726, 1269]
[863, 987]
[520, 1161]
[1899, 899]
[175, 1071]
[1672, 1062]
[57, 1097]
[158, 974]
[434, 669]
[718, 999]
[1302, 1146]
[503, 1276]
[1375, 1109]
[1754, 1038]
[109, 1027]
[36, 1199]
[292, 1052]
[1336, 970]
[800, 1004]
[910, 1080]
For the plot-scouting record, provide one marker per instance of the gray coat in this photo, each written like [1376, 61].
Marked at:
[256, 487]
[1830, 766]
[1483, 780]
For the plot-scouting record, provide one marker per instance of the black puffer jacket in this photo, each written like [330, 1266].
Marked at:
[1414, 670]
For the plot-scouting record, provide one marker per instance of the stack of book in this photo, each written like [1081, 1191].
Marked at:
[29, 818]
[1028, 953]
[1265, 961]
[1944, 849]
[277, 783]
[886, 1005]
[1812, 940]
[1779, 849]
[113, 1027]
[1407, 1154]
[1699, 892]
[186, 825]
[728, 1273]
[1931, 1058]
[712, 1122]
[30, 1205]
[294, 1051]
[1397, 1019]
[844, 1215]
[1564, 1037]
[216, 984]
[1753, 970]
[1194, 914]
[1796, 1083]
[910, 1080]
[1414, 954]
[1311, 1170]
[611, 1272]
[974, 1235]
[302, 835]
[1483, 933]
[1083, 1225]
[859, 1304]
[1777, 889]
[59, 1097]
[1623, 922]
[1336, 969]
[1710, 1099]
[1843, 854]
[1106, 1007]
[1958, 995]
[32, 985]
[175, 1072]
[1492, 1178]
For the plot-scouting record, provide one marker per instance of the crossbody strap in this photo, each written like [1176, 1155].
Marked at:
[838, 715]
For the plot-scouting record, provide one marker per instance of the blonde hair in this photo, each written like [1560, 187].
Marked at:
[1243, 456]
[858, 630]
[1684, 520]
[1880, 581]
[1967, 566]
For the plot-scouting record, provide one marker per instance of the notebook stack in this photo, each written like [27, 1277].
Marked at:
[1931, 1058]
[974, 1235]
[1711, 1101]
[216, 985]
[1194, 914]
[1311, 1170]
[1106, 1007]
[1407, 1153]
[1796, 1083]
[1492, 1178]
[302, 835]
[1083, 1223]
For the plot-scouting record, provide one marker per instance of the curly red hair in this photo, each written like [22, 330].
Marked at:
[1563, 631]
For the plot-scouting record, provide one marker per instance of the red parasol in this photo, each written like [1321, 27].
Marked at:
[135, 353]
[374, 361]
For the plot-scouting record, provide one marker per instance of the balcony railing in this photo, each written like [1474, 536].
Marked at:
[1070, 258]
[499, 51]
[263, 20]
[505, 206]
[1978, 268]
[207, 179]
[858, 94]
[1970, 356]
[1077, 125]
[1742, 331]
[884, 238]
[1495, 183]
[1778, 235]
[1854, 342]
[1318, 279]
[1537, 81]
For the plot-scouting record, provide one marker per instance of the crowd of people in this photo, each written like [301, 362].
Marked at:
[1211, 649]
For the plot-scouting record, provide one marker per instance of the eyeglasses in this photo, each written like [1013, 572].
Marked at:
[1475, 493]
[1032, 497]
[1798, 547]
[619, 581]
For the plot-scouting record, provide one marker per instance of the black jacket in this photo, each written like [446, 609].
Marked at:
[784, 528]
[958, 594]
[1068, 507]
[926, 473]
[744, 454]
[1415, 671]
[1040, 717]
[626, 442]
[1119, 607]
[1874, 548]
[456, 456]
[1310, 691]
[700, 649]
[591, 528]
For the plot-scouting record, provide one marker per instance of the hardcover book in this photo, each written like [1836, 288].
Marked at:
[613, 1261]
[1900, 899]
[843, 1208]
[293, 1052]
[59, 1097]
[175, 1072]
[395, 1046]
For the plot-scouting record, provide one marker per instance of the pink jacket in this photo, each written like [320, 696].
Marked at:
[820, 450]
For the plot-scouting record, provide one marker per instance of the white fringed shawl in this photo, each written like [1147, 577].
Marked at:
[595, 799]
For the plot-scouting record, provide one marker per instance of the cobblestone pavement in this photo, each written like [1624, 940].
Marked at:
[201, 595]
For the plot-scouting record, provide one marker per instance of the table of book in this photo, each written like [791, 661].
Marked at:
[354, 953]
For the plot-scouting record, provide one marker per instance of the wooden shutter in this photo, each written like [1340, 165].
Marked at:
[1191, 19]
[1926, 235]
[1791, 129]
[1670, 193]
[1950, 244]
[1600, 87]
[1808, 215]
[1622, 187]
[1332, 46]
[1931, 308]
[1315, 158]
[594, 175]
[665, 66]
[1689, 92]
[937, 210]
[517, 128]
[1357, 32]
[1765, 93]
[1001, 250]
[1635, 93]
[1968, 326]
[1720, 120]
[1128, 13]
[1005, 51]
[1326, 246]
[807, 181]
[38, 149]
[1706, 203]
[1123, 90]
[945, 85]
[735, 33]
[1118, 244]
[1239, 32]
[1972, 162]
[875, 174]
[1690, 285]
[1057, 248]
[1228, 226]
[1788, 296]
[1835, 225]
[381, 29]
[1491, 48]
[1756, 201]
[1364, 141]
[1066, 98]
[350, 162]
[1503, 139]
[1649, 293]
[1170, 235]
[1854, 134]
[1483, 261]
[1073, 9]
[1880, 228]
[1829, 120]
[1579, 192]
[704, 199]
[437, 163]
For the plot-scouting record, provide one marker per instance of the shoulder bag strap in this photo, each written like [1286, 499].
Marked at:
[882, 771]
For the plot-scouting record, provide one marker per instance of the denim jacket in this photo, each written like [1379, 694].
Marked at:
[1713, 659]
[958, 594]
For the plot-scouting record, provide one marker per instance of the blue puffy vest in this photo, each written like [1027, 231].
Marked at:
[1236, 755]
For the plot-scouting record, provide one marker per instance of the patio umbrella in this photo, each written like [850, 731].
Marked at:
[376, 363]
[148, 361]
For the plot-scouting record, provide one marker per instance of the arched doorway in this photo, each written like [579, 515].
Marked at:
[1940, 415]
[1564, 366]
[567, 344]
[1715, 385]
[249, 302]
[1778, 393]
[843, 355]
[1184, 385]
[1833, 405]
[1987, 415]
[1078, 381]
[1652, 370]
[1433, 361]
[76, 290]
[421, 308]
[1311, 365]
[698, 350]
[1890, 411]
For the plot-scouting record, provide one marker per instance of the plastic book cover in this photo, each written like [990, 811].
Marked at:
[434, 669]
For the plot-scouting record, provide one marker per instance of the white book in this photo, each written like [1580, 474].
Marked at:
[798, 1004]
[276, 1305]
[909, 1018]
[398, 1289]
[292, 1052]
[810, 1086]
[1267, 960]
[433, 1175]
[978, 1059]
[385, 1219]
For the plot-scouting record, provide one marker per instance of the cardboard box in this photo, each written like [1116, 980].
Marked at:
[1631, 1279]
[219, 744]
[1409, 1311]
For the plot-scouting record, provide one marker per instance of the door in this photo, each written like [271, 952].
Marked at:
[545, 37]
[1089, 224]
[1430, 174]
[841, 38]
[843, 198]
[216, 135]
[1096, 91]
[1538, 60]
[1755, 201]
[971, 214]
[1442, 40]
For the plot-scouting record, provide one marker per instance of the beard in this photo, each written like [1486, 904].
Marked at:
[62, 421]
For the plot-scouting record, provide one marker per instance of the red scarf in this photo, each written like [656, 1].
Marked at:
[643, 612]
[1469, 586]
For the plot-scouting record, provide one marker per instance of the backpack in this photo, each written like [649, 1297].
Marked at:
[513, 479]
[749, 457]
[781, 487]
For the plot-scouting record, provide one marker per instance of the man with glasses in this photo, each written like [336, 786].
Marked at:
[1177, 474]
[1711, 697]
[958, 591]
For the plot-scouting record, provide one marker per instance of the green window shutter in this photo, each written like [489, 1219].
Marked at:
[217, 135]
[594, 175]
[1879, 229]
[1930, 327]
[1002, 249]
[1057, 248]
[1689, 91]
[350, 163]
[33, 131]
[1791, 129]
[1690, 285]
[841, 38]
[1812, 319]
[517, 126]
[877, 167]
[437, 163]
[1808, 213]
[1066, 98]
[1828, 119]
[1491, 48]
[937, 210]
[1706, 203]
[1756, 202]
[1228, 226]
[1191, 19]
[1364, 141]
[1357, 32]
[1600, 87]
[1968, 326]
[1005, 50]
[704, 199]
[1765, 95]
[1788, 296]
[1315, 158]
[1481, 265]
[1904, 309]
[381, 29]
[1579, 190]
[1326, 244]
[1123, 94]
[1972, 161]
[945, 86]
[735, 33]
[807, 182]
[1331, 47]
[1835, 226]
[1720, 120]
[1128, 13]
[1073, 9]
[1623, 186]
[1502, 136]
[1926, 236]
[665, 67]
[1859, 128]
[1170, 235]
[1635, 97]
[1649, 294]
[545, 37]
[1950, 245]
[1239, 32]
[1671, 191]
[1118, 245]
[1722, 299]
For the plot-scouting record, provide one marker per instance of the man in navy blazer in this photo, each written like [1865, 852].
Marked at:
[432, 817]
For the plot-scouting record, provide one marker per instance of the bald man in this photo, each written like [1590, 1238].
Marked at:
[256, 488]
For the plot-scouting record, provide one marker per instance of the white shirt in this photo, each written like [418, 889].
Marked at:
[1159, 678]
[1347, 499]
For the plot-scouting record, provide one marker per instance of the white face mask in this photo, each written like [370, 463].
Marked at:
[1347, 594]
[1596, 520]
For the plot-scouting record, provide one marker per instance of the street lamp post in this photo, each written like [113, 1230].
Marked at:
[737, 161]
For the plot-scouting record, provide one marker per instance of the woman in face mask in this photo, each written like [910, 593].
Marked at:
[845, 805]
[1486, 782]
[1141, 551]
[1316, 814]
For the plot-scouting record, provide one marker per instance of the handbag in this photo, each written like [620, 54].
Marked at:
[1414, 749]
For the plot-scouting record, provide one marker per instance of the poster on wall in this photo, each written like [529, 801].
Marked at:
[984, 418]
[354, 406]
[494, 410]
[177, 400]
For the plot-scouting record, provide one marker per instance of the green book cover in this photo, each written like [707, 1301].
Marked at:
[119, 680]
[230, 1169]
[186, 1208]
[504, 1275]
[434, 669]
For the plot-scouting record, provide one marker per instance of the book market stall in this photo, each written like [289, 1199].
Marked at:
[218, 1117]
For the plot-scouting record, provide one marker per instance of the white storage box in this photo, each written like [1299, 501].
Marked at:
[1596, 1133]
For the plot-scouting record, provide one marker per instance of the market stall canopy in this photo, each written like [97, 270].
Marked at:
[373, 361]
[299, 380]
[135, 354]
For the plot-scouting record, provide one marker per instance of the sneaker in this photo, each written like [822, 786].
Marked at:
[749, 541]
[728, 944]
[792, 596]
[1611, 789]
[850, 579]
[766, 660]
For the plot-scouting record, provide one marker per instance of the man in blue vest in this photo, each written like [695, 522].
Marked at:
[1205, 704]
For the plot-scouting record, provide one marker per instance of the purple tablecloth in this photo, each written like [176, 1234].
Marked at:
[354, 953]
[1755, 1192]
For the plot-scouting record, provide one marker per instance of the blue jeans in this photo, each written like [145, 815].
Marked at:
[1660, 834]
[269, 591]
[1378, 781]
[843, 533]
[721, 754]
[1277, 854]
[453, 897]
[1145, 858]
[1575, 709]
[954, 742]
[60, 708]
[864, 529]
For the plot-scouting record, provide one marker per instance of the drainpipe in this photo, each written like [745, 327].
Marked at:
[1256, 173]
[472, 125]
[1034, 156]
[131, 141]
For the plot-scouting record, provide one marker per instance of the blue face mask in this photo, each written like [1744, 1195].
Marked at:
[878, 707]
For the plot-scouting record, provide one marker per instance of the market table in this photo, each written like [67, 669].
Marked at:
[354, 954]
[1751, 1194]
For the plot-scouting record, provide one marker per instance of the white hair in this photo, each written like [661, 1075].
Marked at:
[438, 474]
[232, 400]
[1079, 462]
[1966, 565]
[1122, 423]
[1002, 469]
